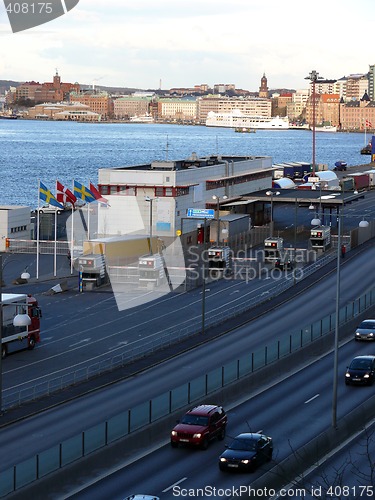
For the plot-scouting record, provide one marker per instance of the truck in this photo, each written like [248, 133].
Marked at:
[100, 254]
[230, 225]
[320, 238]
[219, 260]
[151, 269]
[273, 249]
[361, 180]
[18, 309]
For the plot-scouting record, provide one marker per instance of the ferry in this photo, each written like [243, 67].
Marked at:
[237, 120]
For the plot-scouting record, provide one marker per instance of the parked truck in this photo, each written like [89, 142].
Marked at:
[361, 180]
[100, 254]
[230, 225]
[21, 322]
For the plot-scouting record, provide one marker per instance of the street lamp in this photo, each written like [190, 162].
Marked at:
[19, 320]
[217, 198]
[313, 77]
[272, 194]
[362, 224]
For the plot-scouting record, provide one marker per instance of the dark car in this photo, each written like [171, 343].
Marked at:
[284, 264]
[361, 371]
[246, 452]
[199, 426]
[366, 330]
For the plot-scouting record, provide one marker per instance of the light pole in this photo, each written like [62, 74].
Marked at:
[272, 194]
[313, 77]
[217, 198]
[150, 200]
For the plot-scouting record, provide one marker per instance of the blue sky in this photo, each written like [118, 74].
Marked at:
[140, 43]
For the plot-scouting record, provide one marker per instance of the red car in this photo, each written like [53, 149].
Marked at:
[199, 426]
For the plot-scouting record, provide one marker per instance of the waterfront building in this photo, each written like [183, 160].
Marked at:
[54, 91]
[247, 106]
[98, 102]
[296, 108]
[177, 109]
[175, 187]
[14, 223]
[126, 107]
[73, 111]
[358, 115]
[327, 110]
[356, 86]
[371, 82]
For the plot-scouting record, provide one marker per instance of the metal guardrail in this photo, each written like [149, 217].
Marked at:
[154, 342]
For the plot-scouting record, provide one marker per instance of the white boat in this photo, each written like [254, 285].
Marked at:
[142, 119]
[236, 119]
[325, 128]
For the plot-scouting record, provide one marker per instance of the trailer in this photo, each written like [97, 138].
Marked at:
[230, 225]
[347, 184]
[100, 254]
[361, 180]
[371, 176]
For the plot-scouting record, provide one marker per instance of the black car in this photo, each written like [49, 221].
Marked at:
[284, 264]
[361, 371]
[246, 452]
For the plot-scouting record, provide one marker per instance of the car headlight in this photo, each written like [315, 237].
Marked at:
[371, 334]
[197, 436]
[222, 459]
[174, 433]
[366, 375]
[347, 375]
[357, 334]
[245, 461]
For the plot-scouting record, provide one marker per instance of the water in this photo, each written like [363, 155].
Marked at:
[32, 150]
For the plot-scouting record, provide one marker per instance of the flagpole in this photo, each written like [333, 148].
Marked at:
[37, 232]
[55, 246]
[71, 237]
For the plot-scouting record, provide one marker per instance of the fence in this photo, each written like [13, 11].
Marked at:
[194, 391]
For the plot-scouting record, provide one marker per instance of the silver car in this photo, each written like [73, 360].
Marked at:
[366, 330]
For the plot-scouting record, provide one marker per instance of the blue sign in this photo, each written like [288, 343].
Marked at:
[201, 213]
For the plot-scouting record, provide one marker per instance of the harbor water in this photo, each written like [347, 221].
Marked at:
[67, 151]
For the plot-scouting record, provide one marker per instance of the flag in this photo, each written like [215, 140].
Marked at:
[83, 192]
[97, 195]
[64, 195]
[368, 124]
[46, 195]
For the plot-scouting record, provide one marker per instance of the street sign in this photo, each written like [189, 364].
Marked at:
[201, 213]
[313, 179]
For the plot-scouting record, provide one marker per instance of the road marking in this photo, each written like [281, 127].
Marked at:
[83, 341]
[175, 484]
[312, 399]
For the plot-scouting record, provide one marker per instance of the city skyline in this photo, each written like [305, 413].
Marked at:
[147, 45]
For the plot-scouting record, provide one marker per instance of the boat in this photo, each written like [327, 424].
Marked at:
[245, 130]
[142, 119]
[326, 128]
[8, 117]
[236, 119]
[366, 150]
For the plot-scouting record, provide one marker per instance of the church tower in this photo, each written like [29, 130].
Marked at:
[263, 89]
[56, 81]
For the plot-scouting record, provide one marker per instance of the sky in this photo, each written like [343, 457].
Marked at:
[147, 44]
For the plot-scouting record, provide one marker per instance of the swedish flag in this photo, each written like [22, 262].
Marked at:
[83, 192]
[46, 195]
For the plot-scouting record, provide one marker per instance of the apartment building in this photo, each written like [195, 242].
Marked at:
[177, 109]
[248, 106]
[98, 102]
[175, 187]
[358, 115]
[327, 110]
[126, 107]
[296, 108]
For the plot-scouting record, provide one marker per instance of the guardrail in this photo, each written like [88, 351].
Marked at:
[154, 342]
[149, 412]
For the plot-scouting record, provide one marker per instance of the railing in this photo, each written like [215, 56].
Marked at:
[151, 411]
[154, 342]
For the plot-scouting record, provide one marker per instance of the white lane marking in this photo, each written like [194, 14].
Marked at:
[312, 399]
[175, 484]
[83, 341]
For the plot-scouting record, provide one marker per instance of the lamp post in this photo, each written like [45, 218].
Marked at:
[150, 200]
[217, 198]
[313, 77]
[272, 194]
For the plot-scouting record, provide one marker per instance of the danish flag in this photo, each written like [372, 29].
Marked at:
[64, 195]
[368, 124]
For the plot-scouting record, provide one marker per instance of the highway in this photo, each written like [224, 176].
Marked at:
[287, 402]
[292, 412]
